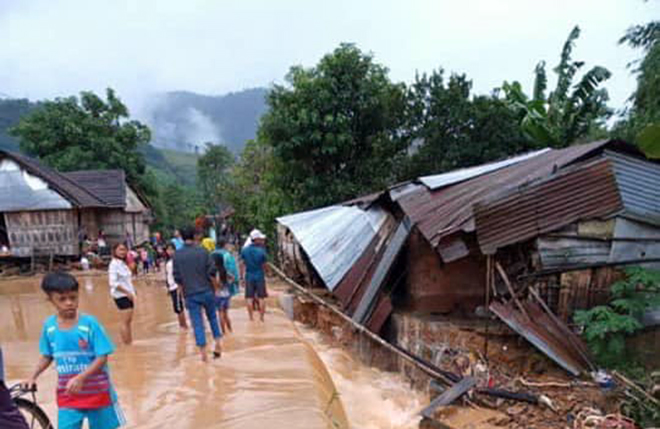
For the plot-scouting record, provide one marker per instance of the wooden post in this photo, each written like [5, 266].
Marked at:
[489, 280]
[510, 288]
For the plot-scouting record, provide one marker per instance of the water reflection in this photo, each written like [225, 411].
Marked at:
[268, 376]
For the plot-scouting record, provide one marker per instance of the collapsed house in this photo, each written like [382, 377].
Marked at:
[43, 211]
[554, 226]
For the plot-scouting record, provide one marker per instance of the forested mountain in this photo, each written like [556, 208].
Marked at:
[179, 121]
[184, 120]
[11, 111]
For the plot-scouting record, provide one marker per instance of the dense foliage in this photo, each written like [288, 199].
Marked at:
[643, 122]
[85, 133]
[607, 326]
[337, 126]
[252, 190]
[571, 111]
[11, 111]
[454, 129]
[213, 175]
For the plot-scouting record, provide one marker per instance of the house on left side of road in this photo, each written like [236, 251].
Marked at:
[43, 211]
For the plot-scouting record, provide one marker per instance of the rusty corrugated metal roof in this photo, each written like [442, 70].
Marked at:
[546, 334]
[438, 181]
[582, 192]
[447, 210]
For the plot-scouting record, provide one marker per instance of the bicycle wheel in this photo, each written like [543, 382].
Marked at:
[34, 415]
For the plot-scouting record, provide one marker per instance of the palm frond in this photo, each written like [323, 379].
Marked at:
[566, 69]
[589, 83]
[642, 36]
[540, 82]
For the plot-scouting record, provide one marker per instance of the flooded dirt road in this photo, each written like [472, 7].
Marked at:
[269, 376]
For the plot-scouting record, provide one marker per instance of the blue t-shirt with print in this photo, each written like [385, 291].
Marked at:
[254, 258]
[73, 350]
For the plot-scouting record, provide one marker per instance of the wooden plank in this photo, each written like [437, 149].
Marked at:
[449, 395]
[510, 287]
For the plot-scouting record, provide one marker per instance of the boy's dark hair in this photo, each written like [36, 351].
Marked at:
[188, 233]
[221, 243]
[59, 281]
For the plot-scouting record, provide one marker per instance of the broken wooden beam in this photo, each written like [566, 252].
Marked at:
[510, 288]
[449, 395]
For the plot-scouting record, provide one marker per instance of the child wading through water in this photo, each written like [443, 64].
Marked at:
[223, 295]
[175, 292]
[229, 264]
[80, 348]
[122, 290]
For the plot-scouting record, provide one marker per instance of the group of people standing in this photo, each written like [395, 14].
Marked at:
[200, 278]
[201, 281]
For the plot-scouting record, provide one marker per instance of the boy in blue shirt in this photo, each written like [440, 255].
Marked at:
[252, 271]
[80, 347]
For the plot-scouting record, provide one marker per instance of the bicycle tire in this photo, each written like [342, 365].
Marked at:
[35, 413]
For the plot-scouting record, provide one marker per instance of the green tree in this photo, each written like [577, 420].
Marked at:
[11, 111]
[212, 174]
[454, 129]
[571, 112]
[338, 127]
[643, 122]
[252, 190]
[177, 206]
[85, 133]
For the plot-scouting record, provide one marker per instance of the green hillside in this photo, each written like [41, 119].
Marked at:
[172, 166]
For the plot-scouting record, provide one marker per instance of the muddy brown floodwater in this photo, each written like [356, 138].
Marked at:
[270, 375]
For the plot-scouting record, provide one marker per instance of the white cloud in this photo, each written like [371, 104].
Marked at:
[51, 48]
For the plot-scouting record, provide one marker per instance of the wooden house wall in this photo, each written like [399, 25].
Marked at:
[89, 222]
[49, 231]
[138, 225]
[293, 261]
[590, 246]
[113, 224]
[116, 223]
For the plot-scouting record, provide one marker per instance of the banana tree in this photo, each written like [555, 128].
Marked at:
[570, 111]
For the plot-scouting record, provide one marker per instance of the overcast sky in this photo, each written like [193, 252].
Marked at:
[53, 48]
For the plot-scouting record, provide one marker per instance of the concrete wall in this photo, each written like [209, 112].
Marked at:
[442, 288]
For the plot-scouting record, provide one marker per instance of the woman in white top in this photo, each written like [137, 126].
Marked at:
[122, 290]
[175, 293]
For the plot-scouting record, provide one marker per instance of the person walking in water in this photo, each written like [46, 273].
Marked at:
[173, 289]
[222, 295]
[195, 272]
[229, 264]
[254, 259]
[122, 290]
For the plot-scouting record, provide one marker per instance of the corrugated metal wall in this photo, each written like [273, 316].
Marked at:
[639, 185]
